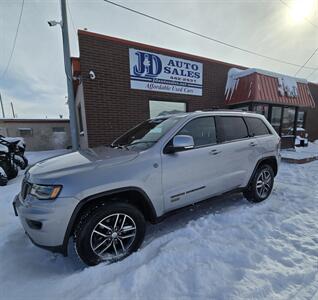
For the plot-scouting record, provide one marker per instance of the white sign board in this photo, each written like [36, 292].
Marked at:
[161, 73]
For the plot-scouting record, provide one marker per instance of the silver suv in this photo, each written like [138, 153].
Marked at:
[102, 197]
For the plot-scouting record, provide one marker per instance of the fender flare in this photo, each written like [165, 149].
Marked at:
[80, 205]
[258, 164]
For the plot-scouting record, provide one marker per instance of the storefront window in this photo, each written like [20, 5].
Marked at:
[276, 117]
[288, 121]
[161, 108]
[261, 109]
[300, 119]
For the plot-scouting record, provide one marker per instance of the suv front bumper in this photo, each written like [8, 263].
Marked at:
[46, 222]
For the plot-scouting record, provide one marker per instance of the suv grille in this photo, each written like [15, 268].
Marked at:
[25, 189]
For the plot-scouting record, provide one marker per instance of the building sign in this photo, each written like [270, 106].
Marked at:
[161, 73]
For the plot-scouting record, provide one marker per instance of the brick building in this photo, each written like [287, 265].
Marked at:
[39, 134]
[120, 83]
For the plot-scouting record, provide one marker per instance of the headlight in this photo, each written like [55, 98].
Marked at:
[45, 192]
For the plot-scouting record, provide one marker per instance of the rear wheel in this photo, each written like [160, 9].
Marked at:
[109, 233]
[261, 185]
[11, 170]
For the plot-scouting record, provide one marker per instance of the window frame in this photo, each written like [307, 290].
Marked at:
[60, 129]
[256, 136]
[26, 130]
[195, 147]
[218, 130]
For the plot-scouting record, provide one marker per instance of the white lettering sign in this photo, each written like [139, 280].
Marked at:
[161, 73]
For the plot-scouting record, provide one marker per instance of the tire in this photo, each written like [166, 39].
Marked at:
[257, 191]
[96, 240]
[12, 171]
[21, 161]
[3, 180]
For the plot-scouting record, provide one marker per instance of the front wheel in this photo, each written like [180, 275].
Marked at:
[11, 170]
[109, 233]
[261, 184]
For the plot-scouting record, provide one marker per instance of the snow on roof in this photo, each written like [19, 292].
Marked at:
[286, 84]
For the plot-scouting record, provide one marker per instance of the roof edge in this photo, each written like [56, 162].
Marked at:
[154, 48]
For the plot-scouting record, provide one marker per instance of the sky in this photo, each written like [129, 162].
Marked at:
[36, 83]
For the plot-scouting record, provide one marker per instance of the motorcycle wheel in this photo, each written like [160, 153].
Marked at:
[21, 161]
[12, 171]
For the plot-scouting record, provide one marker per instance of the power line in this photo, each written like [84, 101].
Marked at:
[312, 73]
[14, 42]
[206, 37]
[303, 66]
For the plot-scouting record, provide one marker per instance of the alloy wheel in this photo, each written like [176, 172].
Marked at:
[112, 236]
[264, 184]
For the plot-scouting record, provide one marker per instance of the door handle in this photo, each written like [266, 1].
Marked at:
[253, 144]
[215, 152]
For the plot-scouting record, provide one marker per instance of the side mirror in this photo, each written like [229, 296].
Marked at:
[180, 143]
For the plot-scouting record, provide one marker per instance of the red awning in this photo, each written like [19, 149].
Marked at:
[253, 85]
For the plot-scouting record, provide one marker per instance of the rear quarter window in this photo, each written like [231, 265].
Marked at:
[231, 128]
[256, 126]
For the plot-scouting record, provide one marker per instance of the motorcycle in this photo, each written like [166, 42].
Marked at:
[17, 146]
[8, 169]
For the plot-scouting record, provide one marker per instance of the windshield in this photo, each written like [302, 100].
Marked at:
[146, 134]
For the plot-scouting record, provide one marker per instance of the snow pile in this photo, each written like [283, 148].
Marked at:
[232, 82]
[4, 148]
[286, 85]
[223, 249]
[2, 172]
[21, 142]
[301, 152]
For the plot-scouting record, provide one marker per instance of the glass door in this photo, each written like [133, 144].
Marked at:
[276, 118]
[288, 121]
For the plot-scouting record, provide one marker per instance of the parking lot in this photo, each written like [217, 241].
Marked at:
[222, 249]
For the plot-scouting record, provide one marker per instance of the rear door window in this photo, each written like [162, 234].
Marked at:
[256, 127]
[231, 128]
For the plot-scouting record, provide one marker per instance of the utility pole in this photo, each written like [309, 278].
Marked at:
[13, 113]
[3, 114]
[69, 77]
[68, 72]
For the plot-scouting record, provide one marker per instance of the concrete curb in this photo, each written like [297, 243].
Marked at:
[299, 160]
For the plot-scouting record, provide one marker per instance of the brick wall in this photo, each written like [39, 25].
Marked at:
[112, 107]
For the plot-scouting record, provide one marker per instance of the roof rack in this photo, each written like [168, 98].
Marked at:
[224, 109]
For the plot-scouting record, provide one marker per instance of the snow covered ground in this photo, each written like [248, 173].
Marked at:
[225, 248]
[301, 152]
